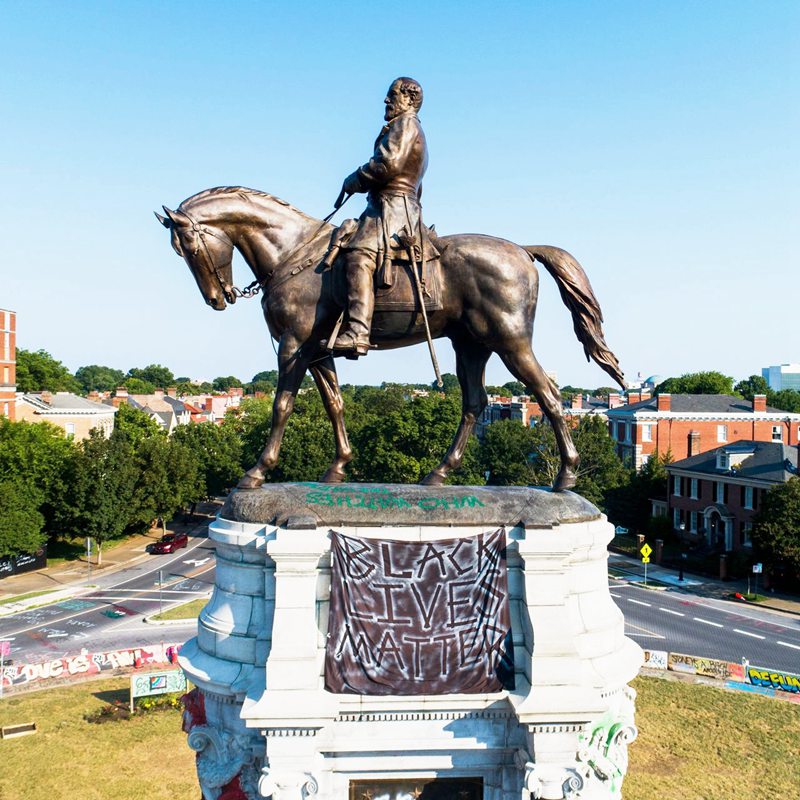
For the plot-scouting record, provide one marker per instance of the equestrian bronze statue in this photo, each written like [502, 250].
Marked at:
[478, 291]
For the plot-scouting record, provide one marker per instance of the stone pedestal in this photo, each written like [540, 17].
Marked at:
[263, 724]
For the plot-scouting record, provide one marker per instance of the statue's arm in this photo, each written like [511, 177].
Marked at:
[388, 159]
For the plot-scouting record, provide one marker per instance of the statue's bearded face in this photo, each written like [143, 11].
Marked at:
[396, 102]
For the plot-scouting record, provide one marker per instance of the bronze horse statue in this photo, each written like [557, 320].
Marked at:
[488, 304]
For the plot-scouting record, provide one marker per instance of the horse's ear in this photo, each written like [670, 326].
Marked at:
[163, 220]
[175, 217]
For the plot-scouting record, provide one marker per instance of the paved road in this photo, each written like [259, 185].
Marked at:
[684, 623]
[111, 616]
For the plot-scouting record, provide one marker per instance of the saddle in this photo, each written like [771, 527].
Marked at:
[395, 288]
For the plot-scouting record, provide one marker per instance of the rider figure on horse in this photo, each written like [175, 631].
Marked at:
[390, 229]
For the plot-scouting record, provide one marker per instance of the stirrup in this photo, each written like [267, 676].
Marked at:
[349, 345]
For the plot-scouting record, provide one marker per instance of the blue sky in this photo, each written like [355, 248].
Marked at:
[657, 142]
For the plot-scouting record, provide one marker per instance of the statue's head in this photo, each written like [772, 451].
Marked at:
[405, 94]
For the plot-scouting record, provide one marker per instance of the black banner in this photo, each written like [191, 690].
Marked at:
[419, 617]
[25, 562]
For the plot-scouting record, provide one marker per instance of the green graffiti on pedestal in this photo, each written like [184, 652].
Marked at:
[382, 498]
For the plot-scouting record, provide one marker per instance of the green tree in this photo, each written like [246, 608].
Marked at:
[629, 503]
[270, 376]
[102, 477]
[138, 386]
[450, 384]
[36, 455]
[697, 383]
[153, 373]
[38, 372]
[223, 383]
[505, 453]
[168, 479]
[136, 424]
[776, 527]
[218, 452]
[751, 386]
[515, 387]
[785, 399]
[21, 522]
[95, 378]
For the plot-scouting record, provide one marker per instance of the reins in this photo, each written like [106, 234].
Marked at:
[254, 287]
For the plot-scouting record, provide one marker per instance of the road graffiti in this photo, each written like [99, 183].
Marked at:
[774, 679]
[86, 663]
[710, 667]
[656, 659]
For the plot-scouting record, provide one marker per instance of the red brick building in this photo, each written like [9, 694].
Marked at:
[714, 496]
[690, 424]
[8, 363]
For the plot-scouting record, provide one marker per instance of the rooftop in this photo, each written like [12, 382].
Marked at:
[770, 461]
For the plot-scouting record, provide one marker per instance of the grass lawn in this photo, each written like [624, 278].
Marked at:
[695, 743]
[186, 611]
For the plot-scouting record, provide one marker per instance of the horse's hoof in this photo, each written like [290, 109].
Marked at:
[333, 475]
[250, 481]
[565, 479]
[434, 478]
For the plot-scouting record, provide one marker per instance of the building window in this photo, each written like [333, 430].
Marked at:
[693, 489]
[722, 433]
[676, 485]
[777, 433]
[69, 427]
[745, 539]
[693, 522]
[676, 518]
[723, 461]
[620, 431]
[647, 433]
[720, 493]
[748, 497]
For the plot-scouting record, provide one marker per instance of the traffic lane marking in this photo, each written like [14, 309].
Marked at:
[708, 622]
[787, 644]
[670, 611]
[639, 602]
[646, 632]
[749, 633]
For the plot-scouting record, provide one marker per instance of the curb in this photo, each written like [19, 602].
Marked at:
[46, 599]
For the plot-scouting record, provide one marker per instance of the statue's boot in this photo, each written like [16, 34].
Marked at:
[353, 341]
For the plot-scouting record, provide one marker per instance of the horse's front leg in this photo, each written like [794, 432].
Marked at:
[292, 365]
[324, 373]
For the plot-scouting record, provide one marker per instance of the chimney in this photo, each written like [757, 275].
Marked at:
[158, 393]
[172, 391]
[577, 401]
[94, 396]
[634, 397]
[646, 394]
[614, 400]
[759, 404]
[664, 402]
[121, 391]
[694, 443]
[47, 397]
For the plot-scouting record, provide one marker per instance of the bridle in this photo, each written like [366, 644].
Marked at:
[254, 287]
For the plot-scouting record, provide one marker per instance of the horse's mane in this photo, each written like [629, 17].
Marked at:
[242, 191]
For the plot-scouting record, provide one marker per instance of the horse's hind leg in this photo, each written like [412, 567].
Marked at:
[521, 362]
[471, 359]
[324, 373]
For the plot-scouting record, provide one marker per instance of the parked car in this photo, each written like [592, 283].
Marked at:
[169, 543]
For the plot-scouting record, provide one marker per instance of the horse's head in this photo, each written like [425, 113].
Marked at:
[208, 251]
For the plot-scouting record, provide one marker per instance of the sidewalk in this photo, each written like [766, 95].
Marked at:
[633, 570]
[69, 577]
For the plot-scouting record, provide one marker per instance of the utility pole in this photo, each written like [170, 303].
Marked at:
[88, 559]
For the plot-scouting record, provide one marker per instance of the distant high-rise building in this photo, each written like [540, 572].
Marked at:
[782, 376]
[8, 363]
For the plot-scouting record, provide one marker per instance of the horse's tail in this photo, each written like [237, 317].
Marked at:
[577, 294]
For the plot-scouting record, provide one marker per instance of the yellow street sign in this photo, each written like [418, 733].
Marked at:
[646, 550]
[645, 560]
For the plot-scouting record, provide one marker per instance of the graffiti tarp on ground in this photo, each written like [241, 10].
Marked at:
[774, 679]
[85, 663]
[710, 667]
